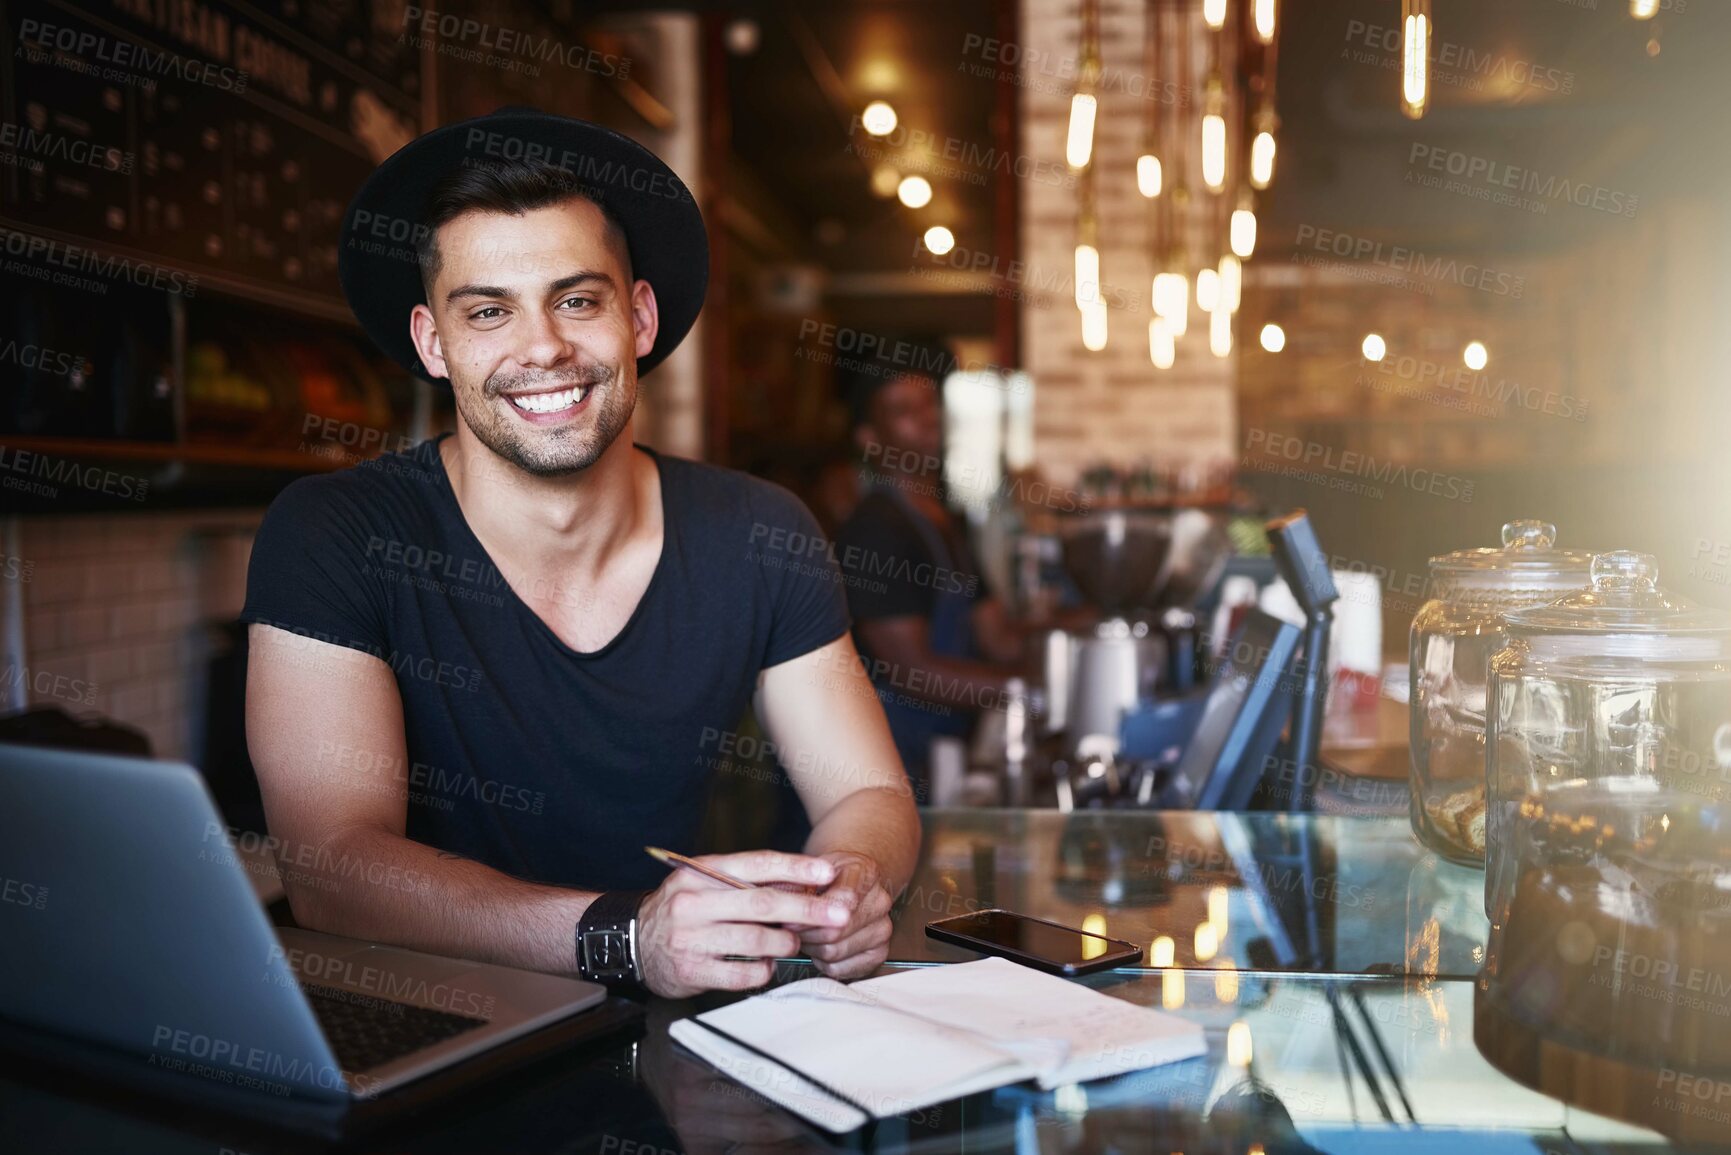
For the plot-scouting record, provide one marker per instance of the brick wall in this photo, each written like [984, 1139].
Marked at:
[113, 613]
[1112, 405]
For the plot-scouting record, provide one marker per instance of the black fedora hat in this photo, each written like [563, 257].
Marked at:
[377, 260]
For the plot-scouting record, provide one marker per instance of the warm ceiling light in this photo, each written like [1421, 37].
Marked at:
[879, 118]
[939, 240]
[1162, 347]
[1231, 282]
[1207, 290]
[1273, 337]
[1415, 57]
[1243, 230]
[1148, 175]
[742, 37]
[1262, 20]
[1094, 326]
[1262, 160]
[1643, 9]
[1476, 355]
[1171, 292]
[1374, 347]
[1220, 332]
[1080, 145]
[1214, 12]
[1214, 151]
[915, 192]
[885, 180]
[1087, 275]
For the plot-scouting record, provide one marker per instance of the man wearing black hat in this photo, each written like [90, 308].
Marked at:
[486, 672]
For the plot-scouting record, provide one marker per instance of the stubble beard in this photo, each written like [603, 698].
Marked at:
[553, 451]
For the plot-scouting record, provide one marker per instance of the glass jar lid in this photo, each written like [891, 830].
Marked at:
[1529, 558]
[1624, 598]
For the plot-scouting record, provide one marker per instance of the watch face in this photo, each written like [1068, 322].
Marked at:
[606, 951]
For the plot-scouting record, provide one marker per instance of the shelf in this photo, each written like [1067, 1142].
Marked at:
[184, 453]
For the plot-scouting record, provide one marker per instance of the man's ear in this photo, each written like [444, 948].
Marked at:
[645, 317]
[425, 334]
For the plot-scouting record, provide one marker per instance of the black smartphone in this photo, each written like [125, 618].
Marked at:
[1047, 946]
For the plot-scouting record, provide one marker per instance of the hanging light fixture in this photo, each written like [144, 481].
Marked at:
[1643, 9]
[879, 118]
[1220, 332]
[1171, 293]
[1208, 290]
[1094, 326]
[1162, 348]
[1273, 337]
[1262, 150]
[1243, 228]
[1214, 135]
[1262, 20]
[1087, 274]
[1214, 14]
[1415, 36]
[1148, 175]
[1231, 282]
[1078, 151]
[1079, 144]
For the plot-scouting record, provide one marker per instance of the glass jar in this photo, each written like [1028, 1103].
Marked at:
[1619, 682]
[1616, 937]
[1453, 638]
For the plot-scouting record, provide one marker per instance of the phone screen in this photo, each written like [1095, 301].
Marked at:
[1030, 936]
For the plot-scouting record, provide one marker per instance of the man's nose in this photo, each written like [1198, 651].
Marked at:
[543, 344]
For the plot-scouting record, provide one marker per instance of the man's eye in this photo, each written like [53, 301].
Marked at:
[487, 314]
[576, 302]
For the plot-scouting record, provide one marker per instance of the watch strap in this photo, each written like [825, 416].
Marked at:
[607, 950]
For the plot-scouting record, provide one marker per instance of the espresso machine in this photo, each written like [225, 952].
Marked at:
[1143, 569]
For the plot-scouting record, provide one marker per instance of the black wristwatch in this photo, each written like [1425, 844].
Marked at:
[607, 939]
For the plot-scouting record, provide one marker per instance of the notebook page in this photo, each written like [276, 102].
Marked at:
[880, 1057]
[1094, 1035]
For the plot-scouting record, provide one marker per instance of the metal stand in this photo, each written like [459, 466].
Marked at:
[1299, 558]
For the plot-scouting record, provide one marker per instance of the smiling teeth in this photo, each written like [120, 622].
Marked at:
[550, 402]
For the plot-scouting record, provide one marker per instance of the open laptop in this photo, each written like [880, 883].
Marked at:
[127, 919]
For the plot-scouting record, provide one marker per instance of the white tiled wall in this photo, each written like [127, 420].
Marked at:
[114, 608]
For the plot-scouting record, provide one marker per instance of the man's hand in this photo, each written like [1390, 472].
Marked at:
[858, 948]
[690, 924]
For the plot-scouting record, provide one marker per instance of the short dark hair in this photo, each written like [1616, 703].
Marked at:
[513, 187]
[919, 358]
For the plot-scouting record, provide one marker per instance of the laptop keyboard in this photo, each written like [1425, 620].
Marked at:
[367, 1032]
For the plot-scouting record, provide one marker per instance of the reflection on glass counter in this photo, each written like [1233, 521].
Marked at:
[1294, 1065]
[1253, 891]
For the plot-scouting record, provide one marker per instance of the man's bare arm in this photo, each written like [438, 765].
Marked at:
[824, 717]
[325, 727]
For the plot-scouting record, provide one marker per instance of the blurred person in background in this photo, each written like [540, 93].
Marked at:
[938, 645]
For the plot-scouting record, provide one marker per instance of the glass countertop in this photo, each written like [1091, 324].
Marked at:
[1310, 893]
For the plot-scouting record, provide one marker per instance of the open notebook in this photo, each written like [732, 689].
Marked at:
[838, 1053]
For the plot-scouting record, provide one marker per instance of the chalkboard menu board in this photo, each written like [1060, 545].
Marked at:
[206, 144]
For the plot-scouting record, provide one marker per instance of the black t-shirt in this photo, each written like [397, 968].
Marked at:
[892, 570]
[523, 754]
